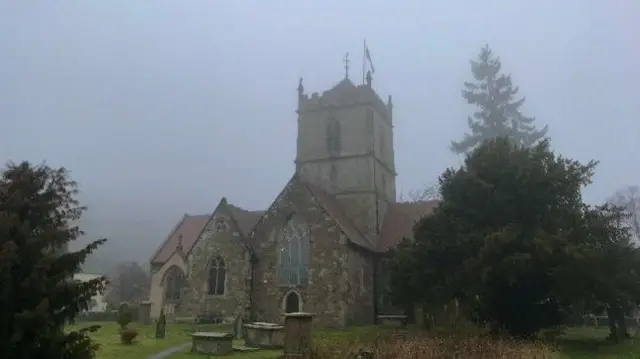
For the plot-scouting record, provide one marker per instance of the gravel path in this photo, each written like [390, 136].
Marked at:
[165, 353]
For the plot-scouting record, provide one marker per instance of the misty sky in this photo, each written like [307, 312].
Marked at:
[163, 107]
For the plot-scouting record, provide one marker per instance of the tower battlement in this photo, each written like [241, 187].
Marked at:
[344, 94]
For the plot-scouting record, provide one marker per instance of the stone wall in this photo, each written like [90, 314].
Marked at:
[156, 290]
[220, 237]
[361, 294]
[327, 292]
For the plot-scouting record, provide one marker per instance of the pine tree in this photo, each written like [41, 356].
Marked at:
[498, 113]
[38, 296]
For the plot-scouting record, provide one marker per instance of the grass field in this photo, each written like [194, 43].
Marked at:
[577, 343]
[145, 344]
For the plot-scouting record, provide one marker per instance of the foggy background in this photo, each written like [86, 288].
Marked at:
[162, 107]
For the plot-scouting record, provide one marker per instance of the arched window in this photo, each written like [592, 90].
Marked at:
[293, 261]
[217, 275]
[174, 281]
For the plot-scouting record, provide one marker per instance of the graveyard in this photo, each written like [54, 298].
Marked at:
[382, 341]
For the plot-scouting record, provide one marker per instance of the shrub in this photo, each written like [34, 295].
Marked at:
[127, 335]
[428, 346]
[124, 315]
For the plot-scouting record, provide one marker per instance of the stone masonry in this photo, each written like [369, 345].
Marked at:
[342, 197]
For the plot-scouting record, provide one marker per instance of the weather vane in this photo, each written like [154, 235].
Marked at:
[346, 65]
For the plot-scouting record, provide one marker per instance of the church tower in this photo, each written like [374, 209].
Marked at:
[345, 146]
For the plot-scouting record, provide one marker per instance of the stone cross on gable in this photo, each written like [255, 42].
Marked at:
[179, 247]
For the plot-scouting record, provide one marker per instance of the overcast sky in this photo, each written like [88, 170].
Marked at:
[163, 107]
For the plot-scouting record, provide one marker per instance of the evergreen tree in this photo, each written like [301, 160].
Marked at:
[508, 222]
[498, 113]
[38, 219]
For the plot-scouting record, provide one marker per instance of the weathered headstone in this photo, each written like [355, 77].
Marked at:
[237, 328]
[297, 335]
[144, 313]
[161, 326]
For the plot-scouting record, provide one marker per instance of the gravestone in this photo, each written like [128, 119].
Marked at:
[238, 328]
[161, 326]
[144, 313]
[297, 335]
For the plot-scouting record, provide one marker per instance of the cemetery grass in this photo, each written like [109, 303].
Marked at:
[577, 343]
[591, 343]
[144, 345]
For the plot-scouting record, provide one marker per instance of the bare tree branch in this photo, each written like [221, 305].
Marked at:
[424, 193]
[629, 199]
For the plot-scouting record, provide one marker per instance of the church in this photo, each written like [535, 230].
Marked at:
[321, 246]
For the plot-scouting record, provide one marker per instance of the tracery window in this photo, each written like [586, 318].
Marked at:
[293, 261]
[217, 276]
[174, 281]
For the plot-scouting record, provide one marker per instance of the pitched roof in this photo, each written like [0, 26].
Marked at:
[189, 227]
[334, 209]
[245, 219]
[399, 220]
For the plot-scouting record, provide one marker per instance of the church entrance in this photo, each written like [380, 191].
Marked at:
[292, 303]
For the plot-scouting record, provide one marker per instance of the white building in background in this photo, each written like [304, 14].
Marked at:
[98, 303]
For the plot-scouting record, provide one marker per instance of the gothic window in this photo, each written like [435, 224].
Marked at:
[333, 175]
[174, 281]
[333, 136]
[362, 289]
[382, 144]
[293, 261]
[217, 276]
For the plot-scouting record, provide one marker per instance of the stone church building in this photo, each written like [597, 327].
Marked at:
[320, 247]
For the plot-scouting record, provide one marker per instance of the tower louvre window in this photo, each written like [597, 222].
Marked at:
[333, 136]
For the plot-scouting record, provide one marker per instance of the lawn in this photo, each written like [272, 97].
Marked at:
[577, 343]
[144, 345]
[590, 343]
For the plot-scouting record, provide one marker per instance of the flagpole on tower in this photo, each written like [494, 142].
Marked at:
[364, 58]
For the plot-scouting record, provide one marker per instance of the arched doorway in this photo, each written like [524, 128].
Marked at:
[292, 303]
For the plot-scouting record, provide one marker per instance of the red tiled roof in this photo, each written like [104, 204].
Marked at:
[189, 228]
[399, 220]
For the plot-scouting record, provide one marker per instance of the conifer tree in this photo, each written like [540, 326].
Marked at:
[38, 296]
[498, 111]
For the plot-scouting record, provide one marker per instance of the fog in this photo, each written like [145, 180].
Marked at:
[163, 107]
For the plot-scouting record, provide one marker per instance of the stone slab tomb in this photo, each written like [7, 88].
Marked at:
[264, 335]
[212, 343]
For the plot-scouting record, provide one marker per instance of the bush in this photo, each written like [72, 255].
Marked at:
[127, 335]
[424, 346]
[124, 315]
